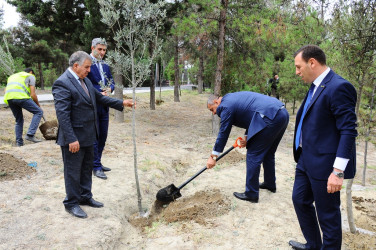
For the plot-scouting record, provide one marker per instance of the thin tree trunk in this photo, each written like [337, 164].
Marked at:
[350, 215]
[134, 85]
[41, 76]
[200, 73]
[152, 77]
[119, 115]
[293, 106]
[176, 59]
[220, 56]
[360, 92]
[152, 88]
[365, 160]
[221, 48]
[156, 80]
[160, 81]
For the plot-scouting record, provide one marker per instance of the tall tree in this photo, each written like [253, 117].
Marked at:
[65, 19]
[134, 24]
[221, 47]
[220, 58]
[176, 69]
[37, 47]
[41, 52]
[93, 25]
[6, 60]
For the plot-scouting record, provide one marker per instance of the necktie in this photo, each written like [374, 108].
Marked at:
[299, 130]
[100, 71]
[84, 87]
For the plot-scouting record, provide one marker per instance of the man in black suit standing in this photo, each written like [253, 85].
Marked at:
[75, 103]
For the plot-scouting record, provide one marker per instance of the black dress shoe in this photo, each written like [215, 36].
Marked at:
[263, 186]
[76, 211]
[298, 245]
[244, 197]
[92, 203]
[100, 174]
[105, 169]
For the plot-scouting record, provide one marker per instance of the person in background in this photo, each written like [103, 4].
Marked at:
[101, 77]
[265, 120]
[75, 104]
[274, 86]
[20, 94]
[324, 149]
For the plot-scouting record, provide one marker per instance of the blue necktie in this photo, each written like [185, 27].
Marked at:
[299, 130]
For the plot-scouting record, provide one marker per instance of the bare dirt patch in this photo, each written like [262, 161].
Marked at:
[200, 208]
[13, 168]
[173, 143]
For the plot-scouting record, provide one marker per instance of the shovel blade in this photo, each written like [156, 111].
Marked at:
[49, 129]
[169, 193]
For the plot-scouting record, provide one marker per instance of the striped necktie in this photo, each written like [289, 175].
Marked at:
[84, 87]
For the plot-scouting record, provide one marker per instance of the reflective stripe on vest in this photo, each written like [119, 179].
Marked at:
[16, 87]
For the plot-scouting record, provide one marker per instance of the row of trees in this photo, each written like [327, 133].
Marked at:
[232, 45]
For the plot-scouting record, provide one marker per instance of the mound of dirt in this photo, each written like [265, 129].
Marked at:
[12, 168]
[200, 207]
[367, 217]
[359, 241]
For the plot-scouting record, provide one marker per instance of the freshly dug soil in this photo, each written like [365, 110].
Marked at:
[200, 207]
[12, 168]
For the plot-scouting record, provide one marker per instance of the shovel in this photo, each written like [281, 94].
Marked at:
[171, 192]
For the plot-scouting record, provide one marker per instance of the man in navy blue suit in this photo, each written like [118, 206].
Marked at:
[324, 149]
[101, 77]
[265, 120]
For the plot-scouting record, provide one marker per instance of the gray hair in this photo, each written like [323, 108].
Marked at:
[79, 57]
[97, 41]
[211, 99]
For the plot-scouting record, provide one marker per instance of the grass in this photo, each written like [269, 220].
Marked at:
[154, 226]
[148, 164]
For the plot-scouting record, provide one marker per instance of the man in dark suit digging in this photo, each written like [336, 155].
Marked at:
[264, 119]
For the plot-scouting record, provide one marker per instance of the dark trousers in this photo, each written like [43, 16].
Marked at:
[77, 175]
[103, 119]
[261, 149]
[327, 207]
[16, 105]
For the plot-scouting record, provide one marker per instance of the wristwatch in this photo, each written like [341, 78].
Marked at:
[214, 157]
[339, 174]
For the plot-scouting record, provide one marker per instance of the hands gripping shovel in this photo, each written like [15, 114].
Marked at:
[171, 192]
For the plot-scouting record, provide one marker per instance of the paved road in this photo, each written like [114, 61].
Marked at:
[43, 98]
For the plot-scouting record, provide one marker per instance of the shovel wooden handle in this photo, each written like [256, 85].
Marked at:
[219, 157]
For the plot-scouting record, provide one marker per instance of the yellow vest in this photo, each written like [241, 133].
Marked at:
[16, 87]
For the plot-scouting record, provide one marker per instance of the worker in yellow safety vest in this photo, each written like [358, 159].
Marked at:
[20, 94]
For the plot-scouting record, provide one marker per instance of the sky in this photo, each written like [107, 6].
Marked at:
[11, 17]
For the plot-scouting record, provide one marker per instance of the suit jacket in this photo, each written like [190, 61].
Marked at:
[76, 112]
[329, 128]
[244, 110]
[95, 77]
